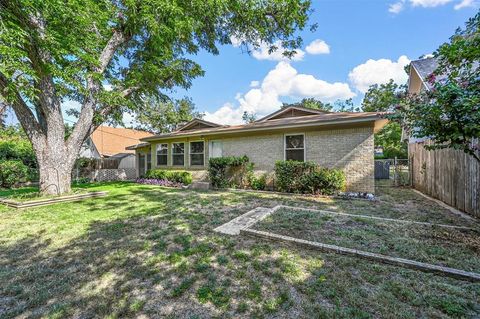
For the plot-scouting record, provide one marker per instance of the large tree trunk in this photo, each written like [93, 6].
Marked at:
[55, 177]
[55, 163]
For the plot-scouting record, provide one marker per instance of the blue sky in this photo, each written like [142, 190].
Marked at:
[357, 43]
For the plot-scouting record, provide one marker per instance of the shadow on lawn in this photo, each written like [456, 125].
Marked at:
[154, 262]
[157, 255]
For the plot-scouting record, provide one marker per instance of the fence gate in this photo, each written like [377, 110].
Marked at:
[392, 172]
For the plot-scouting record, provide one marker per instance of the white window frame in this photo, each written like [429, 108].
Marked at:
[190, 153]
[156, 154]
[285, 145]
[210, 148]
[173, 154]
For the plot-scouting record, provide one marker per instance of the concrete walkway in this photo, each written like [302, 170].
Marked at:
[244, 221]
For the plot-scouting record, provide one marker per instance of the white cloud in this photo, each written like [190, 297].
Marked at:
[465, 4]
[318, 47]
[262, 53]
[254, 84]
[396, 7]
[429, 3]
[460, 4]
[377, 72]
[236, 42]
[282, 81]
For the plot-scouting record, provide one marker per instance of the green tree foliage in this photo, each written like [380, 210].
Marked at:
[165, 116]
[110, 56]
[14, 145]
[12, 172]
[3, 114]
[345, 106]
[449, 113]
[249, 117]
[384, 98]
[311, 103]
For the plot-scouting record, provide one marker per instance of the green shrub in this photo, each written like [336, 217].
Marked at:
[259, 183]
[183, 177]
[323, 181]
[227, 171]
[308, 177]
[256, 183]
[12, 172]
[288, 174]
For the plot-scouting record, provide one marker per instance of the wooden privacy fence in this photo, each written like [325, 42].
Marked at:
[448, 175]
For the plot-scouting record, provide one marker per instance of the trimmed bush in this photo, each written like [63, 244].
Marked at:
[259, 183]
[323, 181]
[12, 172]
[289, 173]
[255, 183]
[227, 171]
[308, 177]
[182, 177]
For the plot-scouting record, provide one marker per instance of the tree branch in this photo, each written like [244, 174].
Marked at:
[22, 111]
[84, 124]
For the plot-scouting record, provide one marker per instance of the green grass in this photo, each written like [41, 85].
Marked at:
[150, 251]
[457, 248]
[31, 193]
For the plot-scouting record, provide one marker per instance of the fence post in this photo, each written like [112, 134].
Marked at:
[395, 173]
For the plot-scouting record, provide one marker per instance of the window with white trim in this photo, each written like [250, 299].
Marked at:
[197, 151]
[162, 154]
[295, 147]
[178, 154]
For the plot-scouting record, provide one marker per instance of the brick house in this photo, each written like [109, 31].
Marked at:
[332, 139]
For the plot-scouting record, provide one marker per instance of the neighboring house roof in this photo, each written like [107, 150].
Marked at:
[424, 68]
[307, 118]
[110, 141]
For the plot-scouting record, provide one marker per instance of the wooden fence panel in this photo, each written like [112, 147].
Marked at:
[449, 175]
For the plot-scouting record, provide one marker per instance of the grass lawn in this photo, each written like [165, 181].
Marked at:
[456, 248]
[146, 251]
[31, 193]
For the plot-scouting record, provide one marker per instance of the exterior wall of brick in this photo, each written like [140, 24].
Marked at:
[263, 150]
[350, 149]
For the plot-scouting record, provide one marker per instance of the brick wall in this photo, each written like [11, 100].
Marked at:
[348, 149]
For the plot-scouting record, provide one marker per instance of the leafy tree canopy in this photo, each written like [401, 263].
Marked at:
[112, 55]
[249, 117]
[311, 103]
[165, 116]
[384, 98]
[449, 112]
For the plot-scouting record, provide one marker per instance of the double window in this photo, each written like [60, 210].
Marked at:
[162, 154]
[295, 147]
[178, 154]
[197, 150]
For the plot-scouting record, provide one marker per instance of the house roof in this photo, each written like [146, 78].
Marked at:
[295, 110]
[425, 67]
[315, 119]
[110, 141]
[196, 123]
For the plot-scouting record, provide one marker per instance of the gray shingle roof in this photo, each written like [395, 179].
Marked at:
[425, 67]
